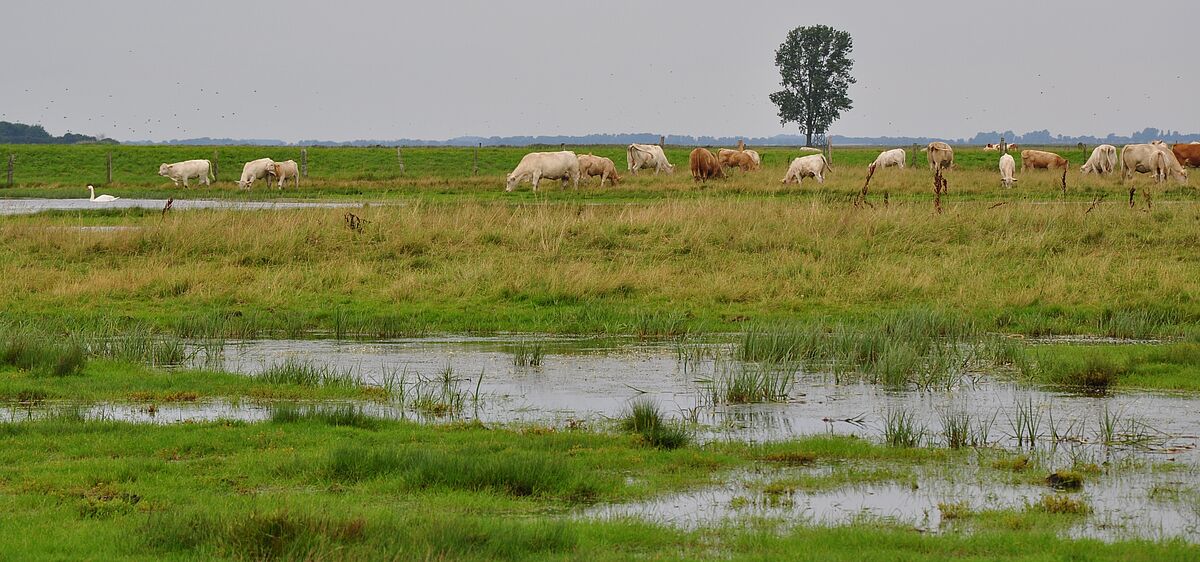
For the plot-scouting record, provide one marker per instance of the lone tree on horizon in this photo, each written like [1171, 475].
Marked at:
[814, 68]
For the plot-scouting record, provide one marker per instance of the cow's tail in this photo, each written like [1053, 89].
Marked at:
[211, 175]
[828, 166]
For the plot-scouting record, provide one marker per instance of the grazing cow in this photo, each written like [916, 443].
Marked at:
[187, 169]
[754, 156]
[1141, 158]
[704, 165]
[811, 166]
[736, 159]
[640, 156]
[809, 149]
[991, 146]
[1007, 167]
[940, 155]
[1014, 147]
[1041, 159]
[592, 166]
[549, 165]
[1103, 160]
[893, 157]
[284, 171]
[254, 170]
[1187, 154]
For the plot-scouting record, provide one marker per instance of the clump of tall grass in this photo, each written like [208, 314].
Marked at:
[1065, 480]
[1061, 504]
[749, 383]
[515, 473]
[139, 345]
[341, 415]
[660, 324]
[308, 373]
[644, 418]
[439, 396]
[1135, 323]
[42, 354]
[1095, 374]
[528, 354]
[781, 343]
[1026, 423]
[956, 429]
[902, 429]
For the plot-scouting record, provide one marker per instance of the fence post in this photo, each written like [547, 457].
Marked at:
[11, 158]
[662, 141]
[304, 162]
[828, 150]
[108, 167]
[400, 158]
[1003, 146]
[475, 160]
[216, 163]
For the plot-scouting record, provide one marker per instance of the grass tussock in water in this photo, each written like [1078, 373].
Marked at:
[307, 373]
[528, 354]
[342, 415]
[514, 473]
[644, 418]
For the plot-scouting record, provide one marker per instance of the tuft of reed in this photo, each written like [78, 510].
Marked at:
[1061, 504]
[440, 395]
[42, 354]
[1026, 423]
[750, 383]
[1065, 480]
[528, 354]
[341, 415]
[644, 418]
[957, 430]
[307, 373]
[901, 429]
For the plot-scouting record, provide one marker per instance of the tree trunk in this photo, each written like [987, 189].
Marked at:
[808, 138]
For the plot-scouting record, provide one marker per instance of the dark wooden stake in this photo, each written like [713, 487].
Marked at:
[304, 162]
[862, 195]
[108, 167]
[11, 162]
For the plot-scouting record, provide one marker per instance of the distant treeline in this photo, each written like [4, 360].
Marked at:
[1031, 138]
[19, 133]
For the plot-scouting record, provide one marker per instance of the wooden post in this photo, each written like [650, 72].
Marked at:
[562, 146]
[11, 158]
[662, 141]
[475, 161]
[741, 145]
[304, 162]
[1003, 146]
[400, 158]
[828, 150]
[216, 161]
[108, 167]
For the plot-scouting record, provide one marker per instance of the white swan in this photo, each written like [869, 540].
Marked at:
[101, 199]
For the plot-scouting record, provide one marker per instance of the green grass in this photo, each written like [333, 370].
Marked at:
[1097, 368]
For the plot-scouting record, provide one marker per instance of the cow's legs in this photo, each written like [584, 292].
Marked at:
[535, 179]
[185, 183]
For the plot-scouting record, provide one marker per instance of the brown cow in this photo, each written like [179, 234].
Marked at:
[1187, 154]
[704, 165]
[593, 166]
[1042, 159]
[736, 159]
[284, 171]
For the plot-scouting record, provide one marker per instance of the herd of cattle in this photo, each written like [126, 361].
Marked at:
[1155, 158]
[263, 168]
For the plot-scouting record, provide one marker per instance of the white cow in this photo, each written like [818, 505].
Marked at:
[254, 170]
[809, 149]
[187, 169]
[812, 166]
[1007, 167]
[549, 165]
[639, 156]
[284, 171]
[1143, 159]
[755, 157]
[1102, 161]
[893, 157]
[940, 155]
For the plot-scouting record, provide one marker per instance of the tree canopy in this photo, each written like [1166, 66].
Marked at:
[814, 68]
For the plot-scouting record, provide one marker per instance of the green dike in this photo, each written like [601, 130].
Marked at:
[307, 489]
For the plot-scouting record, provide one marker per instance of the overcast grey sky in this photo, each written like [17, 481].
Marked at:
[344, 70]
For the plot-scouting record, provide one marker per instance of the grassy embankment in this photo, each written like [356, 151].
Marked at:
[351, 488]
[437, 174]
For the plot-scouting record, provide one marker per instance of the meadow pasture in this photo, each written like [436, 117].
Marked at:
[763, 350]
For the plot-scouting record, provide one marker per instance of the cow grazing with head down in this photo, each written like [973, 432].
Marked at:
[1007, 167]
[812, 166]
[255, 170]
[893, 157]
[1103, 160]
[181, 171]
[1187, 154]
[593, 166]
[740, 159]
[535, 166]
[1145, 159]
[704, 165]
[1040, 159]
[286, 170]
[940, 156]
[639, 156]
